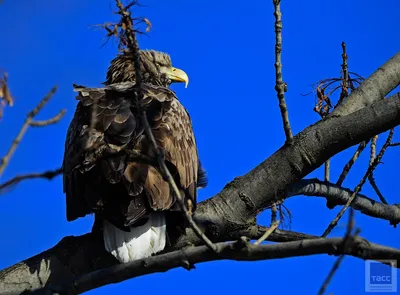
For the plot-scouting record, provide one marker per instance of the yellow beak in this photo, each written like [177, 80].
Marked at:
[177, 75]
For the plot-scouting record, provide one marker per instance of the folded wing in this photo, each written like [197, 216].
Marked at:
[99, 175]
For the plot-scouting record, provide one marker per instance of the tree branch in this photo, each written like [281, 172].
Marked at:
[28, 121]
[338, 196]
[280, 86]
[76, 256]
[54, 120]
[358, 188]
[240, 251]
[17, 179]
[233, 209]
[350, 163]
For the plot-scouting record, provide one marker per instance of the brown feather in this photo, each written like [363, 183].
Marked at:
[102, 179]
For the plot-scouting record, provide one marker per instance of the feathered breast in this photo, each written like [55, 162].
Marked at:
[100, 176]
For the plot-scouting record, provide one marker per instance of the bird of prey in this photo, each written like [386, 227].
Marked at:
[132, 202]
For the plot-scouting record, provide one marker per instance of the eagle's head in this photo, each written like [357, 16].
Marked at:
[156, 68]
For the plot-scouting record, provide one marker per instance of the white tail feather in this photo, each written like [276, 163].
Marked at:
[140, 242]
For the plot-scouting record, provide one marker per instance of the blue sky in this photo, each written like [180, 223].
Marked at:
[227, 49]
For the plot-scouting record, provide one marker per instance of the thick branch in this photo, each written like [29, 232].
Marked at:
[76, 256]
[246, 196]
[235, 207]
[240, 251]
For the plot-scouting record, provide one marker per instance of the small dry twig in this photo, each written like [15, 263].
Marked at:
[371, 177]
[351, 162]
[274, 213]
[324, 104]
[5, 95]
[335, 267]
[28, 122]
[17, 179]
[345, 75]
[130, 37]
[358, 188]
[118, 29]
[327, 87]
[272, 228]
[50, 121]
[280, 86]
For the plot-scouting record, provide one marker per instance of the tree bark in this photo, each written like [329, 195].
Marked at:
[234, 209]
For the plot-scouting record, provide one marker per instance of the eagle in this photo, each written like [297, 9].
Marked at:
[133, 204]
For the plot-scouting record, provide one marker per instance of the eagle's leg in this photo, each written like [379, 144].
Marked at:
[140, 242]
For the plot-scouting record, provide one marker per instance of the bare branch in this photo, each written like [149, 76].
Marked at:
[338, 196]
[371, 177]
[371, 168]
[280, 86]
[372, 155]
[17, 179]
[230, 212]
[274, 212]
[239, 251]
[50, 121]
[75, 256]
[336, 265]
[351, 162]
[327, 170]
[265, 236]
[345, 75]
[31, 115]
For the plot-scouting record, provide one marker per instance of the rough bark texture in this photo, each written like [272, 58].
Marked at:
[232, 212]
[233, 209]
[240, 251]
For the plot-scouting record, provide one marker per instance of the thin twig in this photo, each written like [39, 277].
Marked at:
[280, 86]
[351, 162]
[372, 155]
[274, 212]
[345, 75]
[360, 185]
[17, 179]
[327, 170]
[5, 160]
[50, 121]
[265, 236]
[134, 48]
[371, 177]
[336, 265]
[344, 93]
